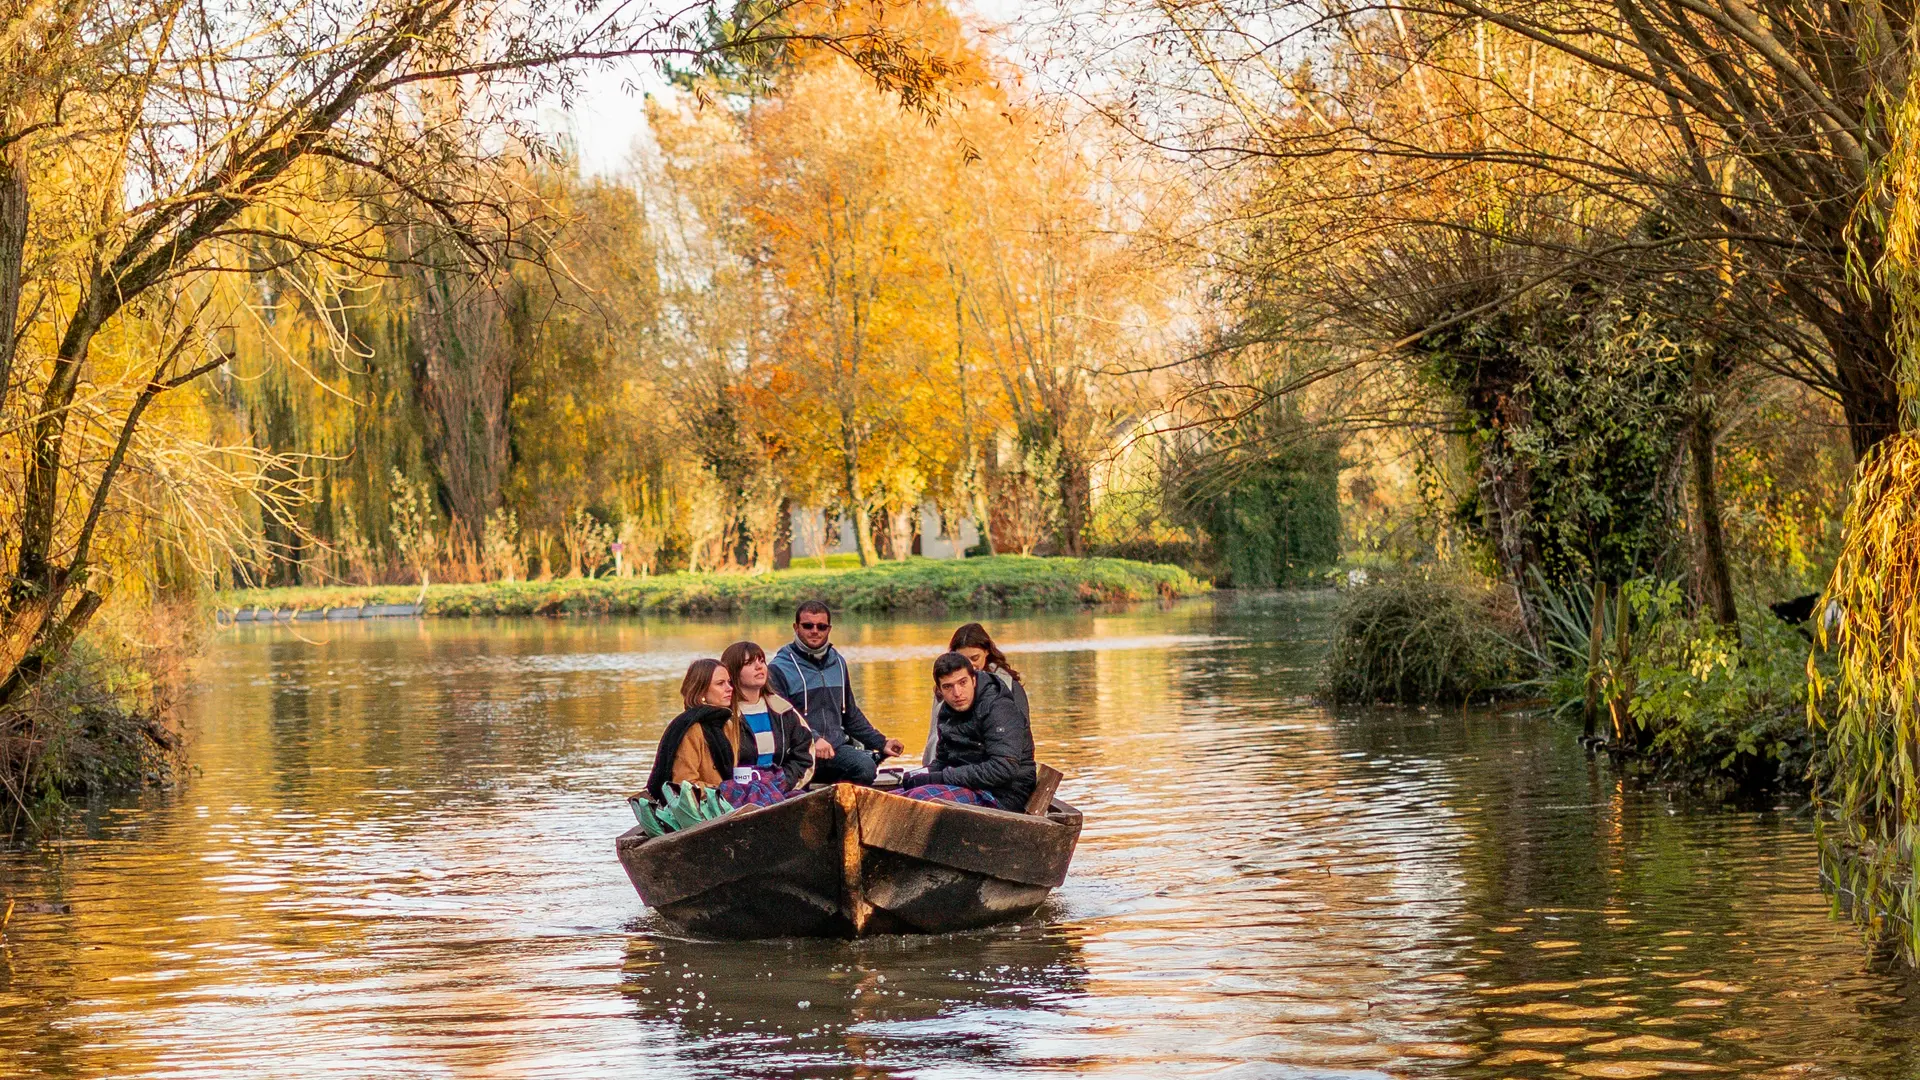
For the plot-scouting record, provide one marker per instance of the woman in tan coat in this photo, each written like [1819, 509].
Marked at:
[704, 744]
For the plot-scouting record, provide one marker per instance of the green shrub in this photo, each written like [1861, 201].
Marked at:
[1272, 521]
[97, 724]
[1725, 712]
[1195, 556]
[1424, 637]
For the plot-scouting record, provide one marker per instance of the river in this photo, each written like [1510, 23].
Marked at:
[393, 858]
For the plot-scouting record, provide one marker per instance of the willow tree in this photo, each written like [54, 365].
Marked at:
[1870, 800]
[139, 138]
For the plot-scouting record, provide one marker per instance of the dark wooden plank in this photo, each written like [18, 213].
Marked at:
[790, 837]
[762, 907]
[1032, 850]
[1046, 781]
[916, 895]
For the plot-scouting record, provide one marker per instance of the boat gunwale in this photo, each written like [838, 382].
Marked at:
[918, 820]
[1056, 809]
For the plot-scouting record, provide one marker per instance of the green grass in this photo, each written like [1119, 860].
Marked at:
[998, 583]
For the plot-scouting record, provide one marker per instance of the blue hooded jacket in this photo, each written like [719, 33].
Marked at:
[823, 693]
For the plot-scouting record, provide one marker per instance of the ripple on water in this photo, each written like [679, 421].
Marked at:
[395, 860]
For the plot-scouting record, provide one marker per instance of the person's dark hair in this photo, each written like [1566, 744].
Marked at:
[975, 636]
[739, 655]
[816, 606]
[948, 664]
[693, 688]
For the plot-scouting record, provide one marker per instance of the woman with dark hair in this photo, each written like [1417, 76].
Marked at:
[703, 744]
[776, 742]
[973, 642]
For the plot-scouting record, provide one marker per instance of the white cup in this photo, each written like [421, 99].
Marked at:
[743, 775]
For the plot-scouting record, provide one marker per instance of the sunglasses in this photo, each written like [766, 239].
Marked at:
[815, 625]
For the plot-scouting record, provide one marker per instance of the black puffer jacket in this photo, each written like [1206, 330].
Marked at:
[987, 748]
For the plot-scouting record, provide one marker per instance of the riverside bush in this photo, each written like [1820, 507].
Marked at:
[1724, 712]
[1423, 637]
[99, 723]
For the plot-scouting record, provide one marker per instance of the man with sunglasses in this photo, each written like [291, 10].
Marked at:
[809, 672]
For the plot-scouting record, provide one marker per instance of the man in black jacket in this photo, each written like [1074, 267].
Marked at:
[985, 752]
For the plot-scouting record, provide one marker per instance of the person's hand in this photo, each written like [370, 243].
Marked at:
[914, 778]
[895, 748]
[822, 748]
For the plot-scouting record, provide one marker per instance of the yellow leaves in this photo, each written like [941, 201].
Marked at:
[1870, 713]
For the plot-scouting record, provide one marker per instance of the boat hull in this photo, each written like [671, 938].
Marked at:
[848, 861]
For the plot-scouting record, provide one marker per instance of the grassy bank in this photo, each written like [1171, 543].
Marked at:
[1002, 582]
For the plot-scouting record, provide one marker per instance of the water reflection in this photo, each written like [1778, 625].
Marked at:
[395, 860]
[883, 1005]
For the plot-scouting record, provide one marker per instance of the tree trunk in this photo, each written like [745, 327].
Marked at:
[47, 646]
[1713, 578]
[858, 507]
[783, 536]
[1076, 497]
[1504, 487]
[900, 529]
[14, 210]
[1869, 397]
[982, 507]
[1858, 332]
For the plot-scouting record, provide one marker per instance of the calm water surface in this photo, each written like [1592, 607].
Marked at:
[394, 859]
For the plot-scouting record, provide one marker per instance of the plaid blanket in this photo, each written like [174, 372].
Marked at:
[951, 793]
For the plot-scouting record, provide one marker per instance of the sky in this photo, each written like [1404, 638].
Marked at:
[607, 117]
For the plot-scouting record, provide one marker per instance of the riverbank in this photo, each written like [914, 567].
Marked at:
[1716, 711]
[999, 583]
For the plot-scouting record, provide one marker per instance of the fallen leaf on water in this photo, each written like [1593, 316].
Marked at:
[1558, 1010]
[1439, 1050]
[1551, 1036]
[1642, 1042]
[1713, 986]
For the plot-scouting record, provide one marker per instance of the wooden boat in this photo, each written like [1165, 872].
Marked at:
[848, 861]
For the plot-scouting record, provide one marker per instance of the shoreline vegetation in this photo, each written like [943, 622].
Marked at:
[1005, 582]
[1667, 693]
